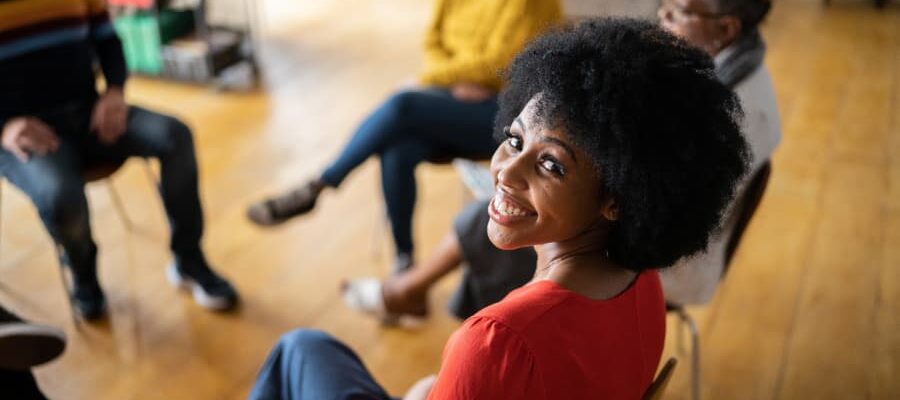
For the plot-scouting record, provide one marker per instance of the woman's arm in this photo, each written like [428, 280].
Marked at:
[485, 359]
[435, 53]
[518, 22]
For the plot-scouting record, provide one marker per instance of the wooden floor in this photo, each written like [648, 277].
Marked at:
[810, 309]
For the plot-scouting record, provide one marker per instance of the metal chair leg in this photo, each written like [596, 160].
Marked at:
[381, 226]
[687, 321]
[120, 206]
[117, 200]
[148, 169]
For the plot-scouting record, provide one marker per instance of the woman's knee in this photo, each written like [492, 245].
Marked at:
[305, 339]
[407, 103]
[405, 154]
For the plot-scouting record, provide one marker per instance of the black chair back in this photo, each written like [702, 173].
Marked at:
[747, 208]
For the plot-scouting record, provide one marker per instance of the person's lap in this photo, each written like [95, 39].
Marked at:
[453, 127]
[146, 136]
[311, 364]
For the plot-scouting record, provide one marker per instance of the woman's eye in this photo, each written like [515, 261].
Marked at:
[513, 140]
[553, 166]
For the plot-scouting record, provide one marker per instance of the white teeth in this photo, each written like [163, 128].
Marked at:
[505, 208]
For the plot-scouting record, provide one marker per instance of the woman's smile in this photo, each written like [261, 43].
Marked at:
[506, 210]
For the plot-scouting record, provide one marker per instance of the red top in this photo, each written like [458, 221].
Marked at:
[545, 342]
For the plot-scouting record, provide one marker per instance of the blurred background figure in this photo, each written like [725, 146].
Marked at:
[56, 126]
[447, 113]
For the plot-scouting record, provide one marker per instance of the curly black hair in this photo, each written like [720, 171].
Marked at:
[663, 133]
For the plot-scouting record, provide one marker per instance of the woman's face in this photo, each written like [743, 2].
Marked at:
[547, 189]
[697, 22]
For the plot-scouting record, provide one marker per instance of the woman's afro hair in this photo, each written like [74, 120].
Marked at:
[663, 133]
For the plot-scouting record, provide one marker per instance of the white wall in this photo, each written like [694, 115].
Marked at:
[631, 8]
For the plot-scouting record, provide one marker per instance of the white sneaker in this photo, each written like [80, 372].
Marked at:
[212, 292]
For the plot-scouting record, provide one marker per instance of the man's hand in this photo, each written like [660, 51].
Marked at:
[420, 389]
[25, 135]
[471, 92]
[110, 114]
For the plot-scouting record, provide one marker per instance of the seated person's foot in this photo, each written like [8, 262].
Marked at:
[88, 299]
[24, 345]
[208, 288]
[392, 301]
[275, 210]
[400, 297]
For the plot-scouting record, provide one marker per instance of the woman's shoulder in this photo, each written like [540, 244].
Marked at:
[545, 303]
[526, 305]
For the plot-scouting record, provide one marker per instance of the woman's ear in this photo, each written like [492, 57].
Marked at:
[609, 209]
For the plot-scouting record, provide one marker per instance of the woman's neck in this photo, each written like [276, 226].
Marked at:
[581, 264]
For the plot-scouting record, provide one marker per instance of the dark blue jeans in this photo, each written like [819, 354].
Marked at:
[309, 364]
[56, 186]
[411, 127]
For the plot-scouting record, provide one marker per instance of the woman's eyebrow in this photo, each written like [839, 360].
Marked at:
[551, 140]
[560, 143]
[521, 123]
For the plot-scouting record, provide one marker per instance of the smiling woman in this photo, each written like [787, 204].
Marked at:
[620, 152]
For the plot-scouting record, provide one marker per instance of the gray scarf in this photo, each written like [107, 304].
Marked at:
[740, 59]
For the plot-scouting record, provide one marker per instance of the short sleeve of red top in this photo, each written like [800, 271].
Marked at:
[545, 342]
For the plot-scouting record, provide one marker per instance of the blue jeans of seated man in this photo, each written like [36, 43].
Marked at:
[55, 184]
[312, 365]
[411, 127]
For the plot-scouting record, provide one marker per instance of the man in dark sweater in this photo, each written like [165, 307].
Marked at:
[55, 124]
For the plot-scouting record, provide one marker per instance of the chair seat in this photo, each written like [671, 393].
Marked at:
[98, 171]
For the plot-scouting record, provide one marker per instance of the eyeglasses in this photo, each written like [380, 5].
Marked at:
[672, 12]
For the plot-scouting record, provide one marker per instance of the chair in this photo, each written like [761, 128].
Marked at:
[745, 211]
[476, 177]
[93, 173]
[656, 389]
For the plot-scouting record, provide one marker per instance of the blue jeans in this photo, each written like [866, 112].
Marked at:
[309, 364]
[411, 127]
[55, 184]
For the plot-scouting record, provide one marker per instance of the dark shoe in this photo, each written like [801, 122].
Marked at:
[86, 296]
[402, 263]
[278, 209]
[24, 345]
[209, 289]
[88, 301]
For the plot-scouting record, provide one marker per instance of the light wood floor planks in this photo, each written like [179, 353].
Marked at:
[810, 309]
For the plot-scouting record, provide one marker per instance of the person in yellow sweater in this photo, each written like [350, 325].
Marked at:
[450, 113]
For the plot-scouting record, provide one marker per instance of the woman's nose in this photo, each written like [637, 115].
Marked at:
[513, 173]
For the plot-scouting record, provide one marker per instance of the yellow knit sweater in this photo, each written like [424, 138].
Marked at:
[472, 41]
